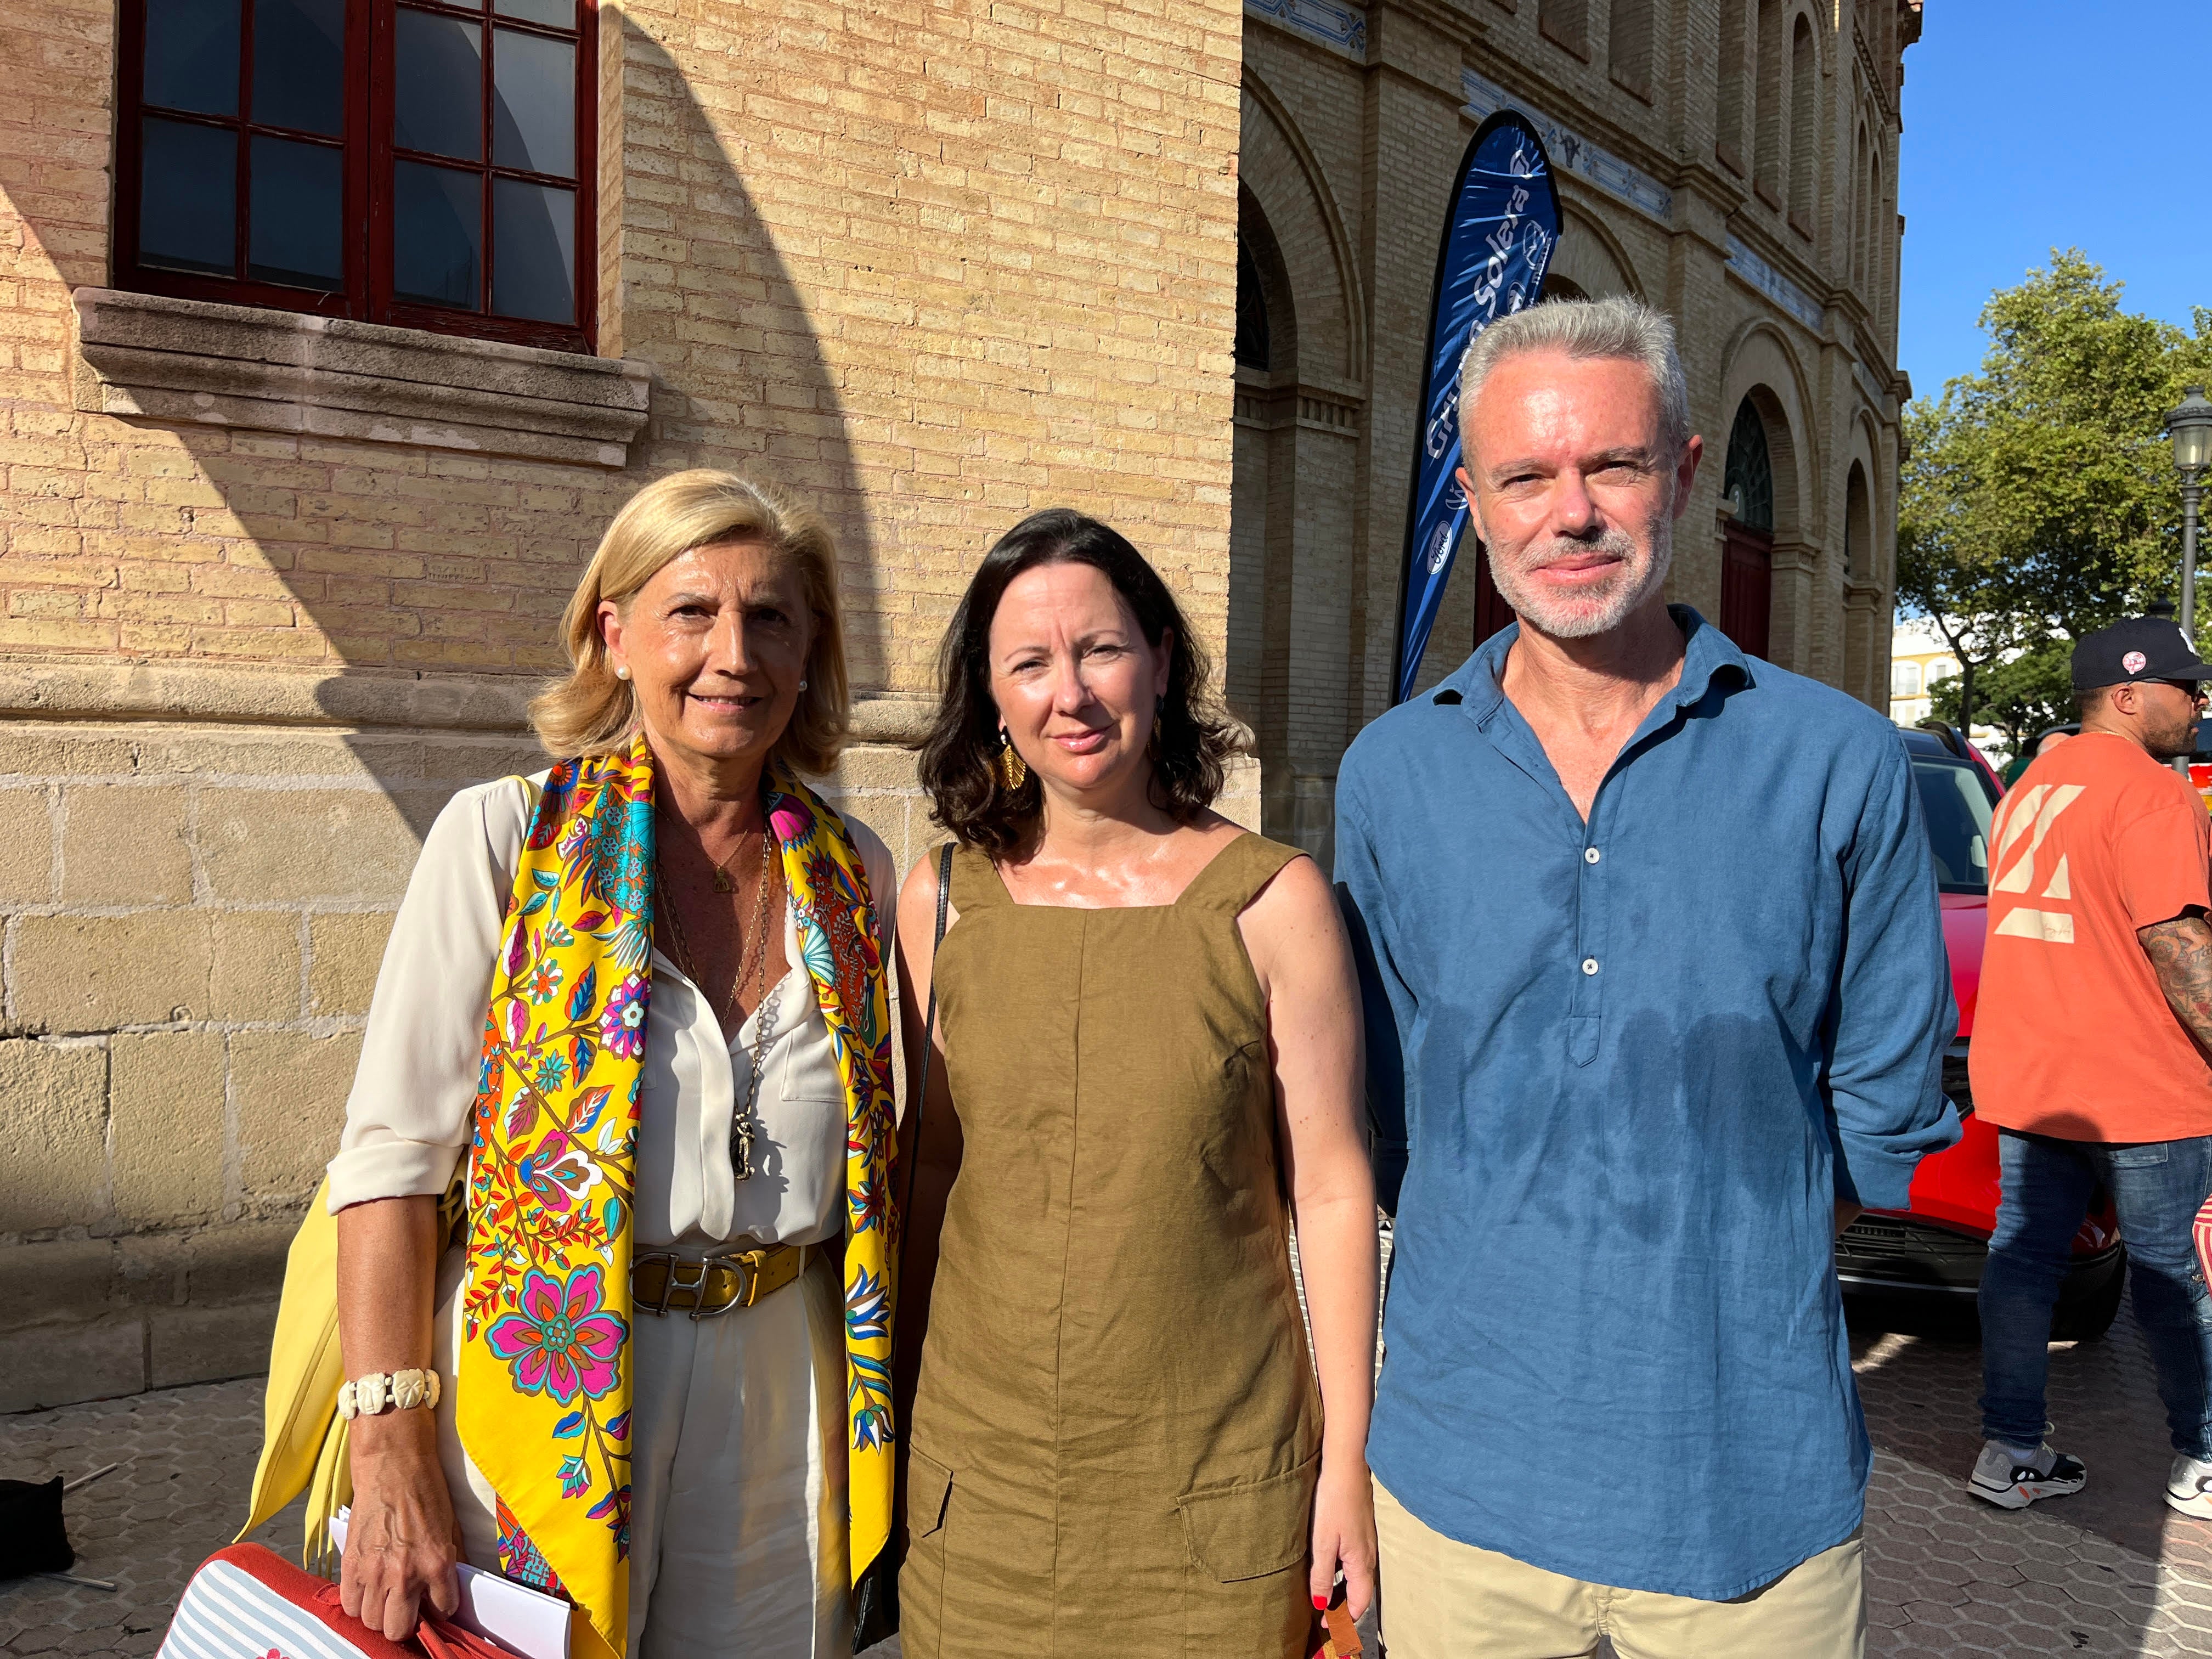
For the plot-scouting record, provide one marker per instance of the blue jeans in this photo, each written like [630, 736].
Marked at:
[2157, 1186]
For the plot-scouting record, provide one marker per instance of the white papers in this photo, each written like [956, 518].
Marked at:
[523, 1620]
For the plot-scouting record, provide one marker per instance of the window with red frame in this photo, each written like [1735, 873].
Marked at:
[426, 164]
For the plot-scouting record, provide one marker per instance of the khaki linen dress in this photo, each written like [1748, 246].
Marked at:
[1116, 1431]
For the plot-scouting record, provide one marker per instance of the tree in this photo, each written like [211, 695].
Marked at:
[2037, 500]
[2022, 697]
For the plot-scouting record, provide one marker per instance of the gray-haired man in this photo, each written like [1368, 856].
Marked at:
[1656, 997]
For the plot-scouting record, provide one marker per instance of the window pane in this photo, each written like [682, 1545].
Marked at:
[437, 234]
[191, 55]
[438, 106]
[294, 193]
[299, 65]
[533, 119]
[556, 14]
[533, 229]
[188, 200]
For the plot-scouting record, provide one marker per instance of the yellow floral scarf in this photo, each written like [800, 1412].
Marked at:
[544, 1396]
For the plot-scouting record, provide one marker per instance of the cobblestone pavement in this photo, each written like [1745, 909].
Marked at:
[2112, 1572]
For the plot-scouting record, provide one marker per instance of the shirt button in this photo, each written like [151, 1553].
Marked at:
[1589, 964]
[1590, 855]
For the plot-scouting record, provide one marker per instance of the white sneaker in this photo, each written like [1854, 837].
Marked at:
[2003, 1477]
[2189, 1486]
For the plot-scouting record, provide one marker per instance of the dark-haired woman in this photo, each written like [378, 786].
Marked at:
[1147, 1059]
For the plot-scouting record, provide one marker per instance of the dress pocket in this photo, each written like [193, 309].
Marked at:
[928, 1491]
[921, 1576]
[1250, 1530]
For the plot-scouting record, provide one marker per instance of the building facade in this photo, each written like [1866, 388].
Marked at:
[331, 335]
[1733, 162]
[1919, 660]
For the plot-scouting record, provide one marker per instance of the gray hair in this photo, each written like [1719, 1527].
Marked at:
[1616, 326]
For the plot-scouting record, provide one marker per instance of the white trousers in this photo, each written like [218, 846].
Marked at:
[738, 1530]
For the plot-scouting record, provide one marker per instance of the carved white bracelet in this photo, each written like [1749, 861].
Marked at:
[402, 1391]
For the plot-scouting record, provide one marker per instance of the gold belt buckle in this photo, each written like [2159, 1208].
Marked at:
[693, 1280]
[747, 1267]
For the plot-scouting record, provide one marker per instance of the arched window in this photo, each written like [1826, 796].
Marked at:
[1628, 45]
[1766, 166]
[1251, 313]
[1735, 79]
[1881, 222]
[1566, 22]
[1904, 680]
[1941, 669]
[1747, 549]
[1747, 480]
[1862, 209]
[1804, 124]
[1858, 526]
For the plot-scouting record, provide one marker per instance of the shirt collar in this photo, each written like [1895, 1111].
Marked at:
[1706, 652]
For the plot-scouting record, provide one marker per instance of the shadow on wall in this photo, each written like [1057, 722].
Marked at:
[191, 955]
[420, 565]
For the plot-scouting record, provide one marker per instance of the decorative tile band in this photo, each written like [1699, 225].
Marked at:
[1867, 384]
[1569, 150]
[1340, 27]
[1773, 284]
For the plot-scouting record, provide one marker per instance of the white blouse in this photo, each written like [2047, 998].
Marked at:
[408, 1119]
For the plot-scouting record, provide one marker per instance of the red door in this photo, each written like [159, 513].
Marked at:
[1747, 587]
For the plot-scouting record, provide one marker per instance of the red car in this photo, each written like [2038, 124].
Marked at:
[1936, 1249]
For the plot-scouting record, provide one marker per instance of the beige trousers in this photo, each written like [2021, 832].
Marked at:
[737, 1530]
[1445, 1599]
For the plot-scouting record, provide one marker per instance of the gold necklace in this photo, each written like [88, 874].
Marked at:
[752, 961]
[752, 964]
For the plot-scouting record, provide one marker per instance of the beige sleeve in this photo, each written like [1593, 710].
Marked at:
[883, 885]
[407, 1119]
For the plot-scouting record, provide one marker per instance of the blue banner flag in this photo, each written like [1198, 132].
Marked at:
[1497, 244]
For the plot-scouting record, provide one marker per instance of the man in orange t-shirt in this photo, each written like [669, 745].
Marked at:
[2091, 1030]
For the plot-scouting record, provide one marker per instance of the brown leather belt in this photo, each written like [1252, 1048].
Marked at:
[663, 1283]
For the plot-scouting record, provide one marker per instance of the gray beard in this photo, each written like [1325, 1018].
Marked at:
[1597, 613]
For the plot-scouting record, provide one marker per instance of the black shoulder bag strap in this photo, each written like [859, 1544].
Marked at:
[875, 1610]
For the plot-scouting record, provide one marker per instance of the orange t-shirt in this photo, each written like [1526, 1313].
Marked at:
[2073, 1036]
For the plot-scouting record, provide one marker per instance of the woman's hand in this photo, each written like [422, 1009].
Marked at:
[1344, 1534]
[401, 1543]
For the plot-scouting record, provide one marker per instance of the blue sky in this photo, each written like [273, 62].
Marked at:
[2035, 124]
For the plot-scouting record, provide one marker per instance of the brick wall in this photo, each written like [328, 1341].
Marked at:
[929, 266]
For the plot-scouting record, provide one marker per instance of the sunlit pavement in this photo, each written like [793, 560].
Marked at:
[2110, 1571]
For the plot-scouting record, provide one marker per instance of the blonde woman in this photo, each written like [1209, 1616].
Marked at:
[637, 1002]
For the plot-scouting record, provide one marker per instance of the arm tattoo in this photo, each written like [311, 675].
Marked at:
[2180, 953]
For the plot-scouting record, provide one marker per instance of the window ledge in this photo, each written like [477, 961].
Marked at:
[191, 362]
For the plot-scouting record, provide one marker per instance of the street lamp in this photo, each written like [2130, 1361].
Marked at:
[2191, 427]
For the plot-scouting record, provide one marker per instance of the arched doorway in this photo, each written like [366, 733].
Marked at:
[1748, 554]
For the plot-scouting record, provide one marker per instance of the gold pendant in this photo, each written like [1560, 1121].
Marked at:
[723, 884]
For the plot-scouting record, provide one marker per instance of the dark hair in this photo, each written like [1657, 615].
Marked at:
[1196, 741]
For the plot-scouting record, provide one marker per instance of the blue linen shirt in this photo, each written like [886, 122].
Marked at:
[1624, 1070]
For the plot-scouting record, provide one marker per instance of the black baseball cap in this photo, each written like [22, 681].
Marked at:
[2139, 648]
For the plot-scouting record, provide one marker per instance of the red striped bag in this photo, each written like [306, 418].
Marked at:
[249, 1602]
[2204, 1240]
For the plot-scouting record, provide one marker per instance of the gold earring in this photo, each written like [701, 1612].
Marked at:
[1013, 772]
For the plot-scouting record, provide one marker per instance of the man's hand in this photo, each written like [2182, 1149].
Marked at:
[402, 1543]
[2180, 953]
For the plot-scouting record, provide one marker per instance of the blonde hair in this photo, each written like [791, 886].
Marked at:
[592, 713]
